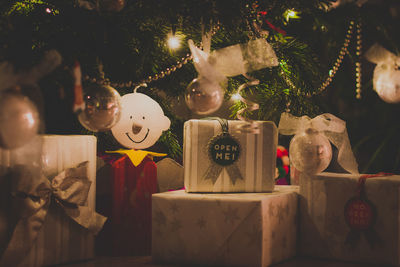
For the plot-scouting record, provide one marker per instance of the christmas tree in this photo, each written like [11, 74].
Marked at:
[319, 45]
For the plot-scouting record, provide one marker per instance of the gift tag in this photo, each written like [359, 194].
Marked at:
[223, 149]
[359, 214]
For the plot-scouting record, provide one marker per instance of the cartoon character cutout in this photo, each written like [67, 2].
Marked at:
[142, 122]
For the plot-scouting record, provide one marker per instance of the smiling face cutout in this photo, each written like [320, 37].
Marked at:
[142, 122]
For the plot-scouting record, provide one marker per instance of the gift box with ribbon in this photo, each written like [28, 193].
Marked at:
[47, 205]
[220, 158]
[350, 217]
[239, 229]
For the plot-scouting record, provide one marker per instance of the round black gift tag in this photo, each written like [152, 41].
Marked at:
[224, 150]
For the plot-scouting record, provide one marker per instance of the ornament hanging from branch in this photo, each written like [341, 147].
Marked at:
[98, 107]
[205, 94]
[102, 108]
[386, 78]
[214, 67]
[310, 149]
[19, 119]
[19, 116]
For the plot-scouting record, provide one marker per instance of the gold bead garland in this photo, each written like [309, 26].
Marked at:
[358, 62]
[149, 79]
[332, 72]
[338, 61]
[179, 64]
[336, 65]
[168, 71]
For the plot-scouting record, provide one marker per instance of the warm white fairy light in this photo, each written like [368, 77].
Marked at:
[174, 42]
[236, 97]
[291, 14]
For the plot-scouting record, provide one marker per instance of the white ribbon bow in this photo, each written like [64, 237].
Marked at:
[232, 60]
[330, 126]
[386, 79]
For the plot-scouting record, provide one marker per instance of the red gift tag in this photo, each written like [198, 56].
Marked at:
[359, 214]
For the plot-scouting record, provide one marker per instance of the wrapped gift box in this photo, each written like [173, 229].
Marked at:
[256, 162]
[325, 232]
[242, 229]
[60, 239]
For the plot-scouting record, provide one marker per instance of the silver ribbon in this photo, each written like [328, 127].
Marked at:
[215, 170]
[379, 55]
[32, 194]
[329, 125]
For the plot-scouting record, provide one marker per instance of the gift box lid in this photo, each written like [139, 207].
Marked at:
[243, 197]
[371, 177]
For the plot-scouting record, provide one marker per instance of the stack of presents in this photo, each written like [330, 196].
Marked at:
[228, 212]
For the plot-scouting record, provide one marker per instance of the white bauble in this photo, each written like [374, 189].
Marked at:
[387, 82]
[19, 120]
[310, 152]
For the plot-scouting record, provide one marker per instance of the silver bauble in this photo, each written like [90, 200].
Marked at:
[102, 108]
[19, 120]
[310, 152]
[203, 96]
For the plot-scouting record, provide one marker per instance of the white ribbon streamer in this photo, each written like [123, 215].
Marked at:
[251, 126]
[233, 60]
[379, 55]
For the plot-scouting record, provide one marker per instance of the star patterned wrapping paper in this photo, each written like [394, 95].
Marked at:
[254, 167]
[241, 229]
[324, 230]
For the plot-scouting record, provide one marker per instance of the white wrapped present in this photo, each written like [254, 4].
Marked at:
[219, 161]
[241, 229]
[345, 219]
[69, 162]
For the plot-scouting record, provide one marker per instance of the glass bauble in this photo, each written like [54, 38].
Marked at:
[102, 108]
[19, 120]
[387, 83]
[310, 152]
[203, 96]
